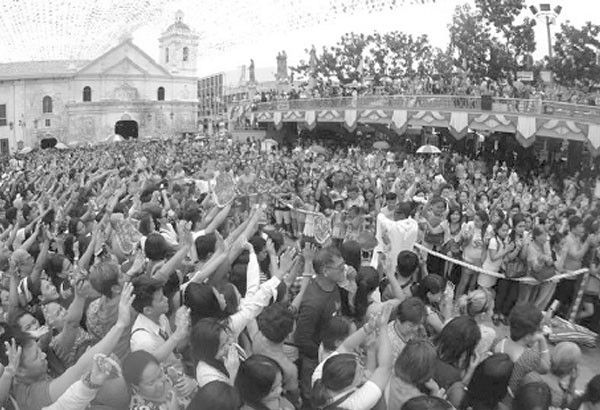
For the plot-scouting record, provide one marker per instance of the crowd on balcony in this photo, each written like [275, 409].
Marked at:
[459, 85]
[217, 274]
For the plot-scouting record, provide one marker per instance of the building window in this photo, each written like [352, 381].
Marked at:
[87, 94]
[161, 94]
[186, 53]
[47, 105]
[47, 123]
[4, 146]
[2, 115]
[167, 55]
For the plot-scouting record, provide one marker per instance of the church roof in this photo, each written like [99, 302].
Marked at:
[40, 69]
[178, 26]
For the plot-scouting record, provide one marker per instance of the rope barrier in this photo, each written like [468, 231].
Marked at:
[530, 281]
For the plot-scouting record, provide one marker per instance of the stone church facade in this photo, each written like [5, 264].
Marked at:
[123, 91]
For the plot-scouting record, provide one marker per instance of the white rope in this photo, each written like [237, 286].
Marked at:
[531, 281]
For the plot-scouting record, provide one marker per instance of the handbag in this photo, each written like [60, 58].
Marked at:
[515, 268]
[544, 273]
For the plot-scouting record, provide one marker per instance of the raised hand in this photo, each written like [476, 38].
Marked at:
[309, 252]
[127, 297]
[185, 235]
[13, 353]
[286, 261]
[219, 243]
[182, 322]
[270, 247]
[82, 289]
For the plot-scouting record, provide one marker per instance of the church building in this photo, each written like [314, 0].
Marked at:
[124, 92]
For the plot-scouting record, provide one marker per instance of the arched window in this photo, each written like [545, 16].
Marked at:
[47, 105]
[87, 94]
[167, 55]
[186, 53]
[161, 94]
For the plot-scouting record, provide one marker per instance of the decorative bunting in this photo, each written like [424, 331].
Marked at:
[459, 121]
[277, 120]
[350, 118]
[310, 119]
[526, 126]
[561, 129]
[399, 120]
[429, 119]
[59, 29]
[494, 123]
[594, 136]
[375, 116]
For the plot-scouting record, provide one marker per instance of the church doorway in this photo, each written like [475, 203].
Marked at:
[48, 143]
[126, 129]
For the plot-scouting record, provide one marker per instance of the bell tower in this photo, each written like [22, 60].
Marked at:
[179, 48]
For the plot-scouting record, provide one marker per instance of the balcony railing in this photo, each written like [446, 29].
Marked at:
[438, 102]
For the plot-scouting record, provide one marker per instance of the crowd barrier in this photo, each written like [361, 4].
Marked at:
[573, 310]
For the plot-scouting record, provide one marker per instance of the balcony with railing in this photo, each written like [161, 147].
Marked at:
[473, 104]
[527, 118]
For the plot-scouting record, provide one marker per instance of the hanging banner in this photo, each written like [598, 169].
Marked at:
[311, 119]
[525, 75]
[350, 118]
[277, 120]
[399, 120]
[459, 121]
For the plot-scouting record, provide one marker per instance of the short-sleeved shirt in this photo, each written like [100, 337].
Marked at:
[487, 281]
[365, 397]
[33, 396]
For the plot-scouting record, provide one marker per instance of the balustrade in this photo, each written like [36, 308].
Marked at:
[436, 102]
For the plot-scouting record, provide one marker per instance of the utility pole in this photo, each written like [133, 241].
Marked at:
[548, 14]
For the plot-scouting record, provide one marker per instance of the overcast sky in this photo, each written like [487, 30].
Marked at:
[430, 19]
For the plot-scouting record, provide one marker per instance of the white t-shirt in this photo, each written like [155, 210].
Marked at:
[364, 398]
[318, 372]
[401, 235]
[487, 281]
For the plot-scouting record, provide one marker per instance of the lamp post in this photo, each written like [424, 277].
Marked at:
[549, 14]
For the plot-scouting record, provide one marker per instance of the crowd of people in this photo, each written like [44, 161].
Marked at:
[457, 85]
[131, 280]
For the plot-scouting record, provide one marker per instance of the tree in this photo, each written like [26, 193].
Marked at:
[575, 55]
[358, 56]
[486, 40]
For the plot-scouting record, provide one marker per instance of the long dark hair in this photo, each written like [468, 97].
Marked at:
[255, 379]
[367, 281]
[517, 219]
[206, 334]
[489, 383]
[485, 221]
[338, 373]
[431, 283]
[458, 340]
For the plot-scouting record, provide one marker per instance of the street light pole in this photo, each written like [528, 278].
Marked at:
[550, 15]
[549, 36]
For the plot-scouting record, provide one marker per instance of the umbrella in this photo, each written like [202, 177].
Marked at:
[60, 145]
[270, 141]
[114, 138]
[381, 145]
[201, 137]
[318, 149]
[26, 150]
[429, 149]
